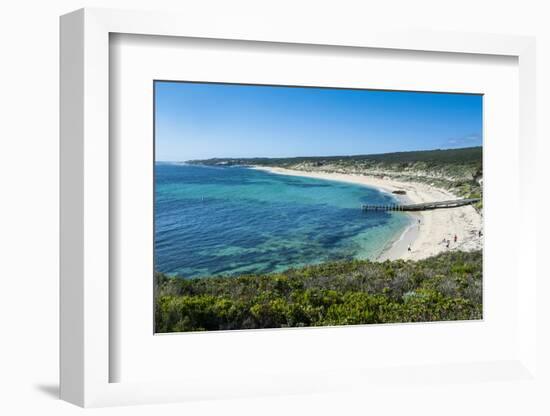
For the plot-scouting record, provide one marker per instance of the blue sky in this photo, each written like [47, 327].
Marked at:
[200, 121]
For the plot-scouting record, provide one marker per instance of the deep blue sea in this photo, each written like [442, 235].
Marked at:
[236, 220]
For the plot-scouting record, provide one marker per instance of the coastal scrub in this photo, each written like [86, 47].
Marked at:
[445, 287]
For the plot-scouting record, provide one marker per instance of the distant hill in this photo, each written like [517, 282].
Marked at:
[467, 155]
[458, 170]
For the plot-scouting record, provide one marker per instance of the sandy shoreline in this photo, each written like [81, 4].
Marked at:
[428, 229]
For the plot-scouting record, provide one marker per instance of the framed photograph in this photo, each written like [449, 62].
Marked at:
[266, 211]
[290, 207]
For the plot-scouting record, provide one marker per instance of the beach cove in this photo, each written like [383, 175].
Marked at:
[428, 232]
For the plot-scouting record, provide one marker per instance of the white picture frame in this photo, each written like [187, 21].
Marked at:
[85, 207]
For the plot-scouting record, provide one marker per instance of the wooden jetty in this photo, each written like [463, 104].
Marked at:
[421, 207]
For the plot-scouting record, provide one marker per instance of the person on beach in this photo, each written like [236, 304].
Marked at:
[479, 234]
[409, 248]
[456, 238]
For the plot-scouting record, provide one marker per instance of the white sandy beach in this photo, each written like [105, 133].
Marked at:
[425, 237]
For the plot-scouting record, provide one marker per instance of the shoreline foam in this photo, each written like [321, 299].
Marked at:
[427, 234]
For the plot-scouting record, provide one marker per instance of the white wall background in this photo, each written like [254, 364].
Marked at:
[29, 205]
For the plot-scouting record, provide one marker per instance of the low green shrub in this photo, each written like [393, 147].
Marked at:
[444, 287]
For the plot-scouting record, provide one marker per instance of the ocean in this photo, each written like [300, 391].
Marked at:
[236, 220]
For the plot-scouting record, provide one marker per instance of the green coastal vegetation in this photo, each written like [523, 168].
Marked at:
[458, 170]
[445, 287]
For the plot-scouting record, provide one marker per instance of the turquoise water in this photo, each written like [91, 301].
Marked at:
[236, 220]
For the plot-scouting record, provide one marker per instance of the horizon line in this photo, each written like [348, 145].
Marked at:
[328, 156]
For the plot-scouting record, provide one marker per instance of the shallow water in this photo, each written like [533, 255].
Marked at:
[235, 220]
